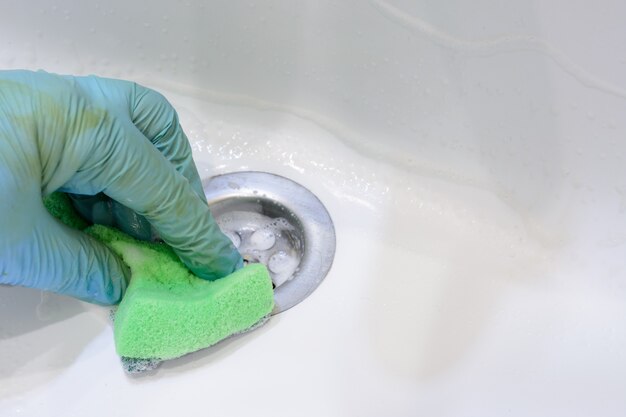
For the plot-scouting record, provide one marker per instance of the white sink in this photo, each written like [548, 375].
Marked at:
[472, 157]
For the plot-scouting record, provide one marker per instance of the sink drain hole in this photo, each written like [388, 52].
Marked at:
[274, 242]
[279, 223]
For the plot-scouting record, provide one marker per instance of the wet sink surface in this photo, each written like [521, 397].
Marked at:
[471, 159]
[434, 284]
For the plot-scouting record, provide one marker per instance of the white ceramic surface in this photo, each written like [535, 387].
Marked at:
[471, 154]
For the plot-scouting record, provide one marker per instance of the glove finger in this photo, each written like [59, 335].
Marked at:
[50, 256]
[129, 169]
[157, 120]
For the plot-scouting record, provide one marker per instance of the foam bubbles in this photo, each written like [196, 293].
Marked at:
[262, 239]
[270, 241]
[283, 265]
[279, 262]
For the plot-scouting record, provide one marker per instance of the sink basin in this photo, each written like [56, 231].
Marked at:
[471, 157]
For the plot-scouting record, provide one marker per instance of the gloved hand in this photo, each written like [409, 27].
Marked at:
[112, 139]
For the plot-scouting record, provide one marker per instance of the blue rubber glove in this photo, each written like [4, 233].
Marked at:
[112, 139]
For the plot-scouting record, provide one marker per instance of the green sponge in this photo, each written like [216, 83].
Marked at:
[167, 311]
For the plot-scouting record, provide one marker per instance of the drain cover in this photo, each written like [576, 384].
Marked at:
[275, 221]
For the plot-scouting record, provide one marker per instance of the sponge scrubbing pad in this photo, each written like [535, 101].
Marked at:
[167, 311]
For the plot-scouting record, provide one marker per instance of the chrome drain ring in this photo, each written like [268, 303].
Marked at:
[287, 223]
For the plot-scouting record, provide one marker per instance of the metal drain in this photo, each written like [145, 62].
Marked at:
[275, 221]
